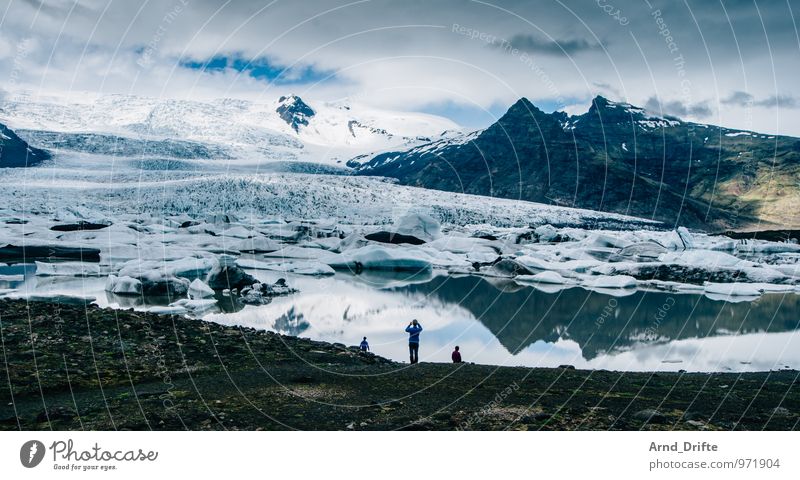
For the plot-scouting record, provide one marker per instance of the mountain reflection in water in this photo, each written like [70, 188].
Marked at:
[500, 322]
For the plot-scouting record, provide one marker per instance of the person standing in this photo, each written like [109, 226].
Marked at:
[413, 330]
[364, 345]
[456, 356]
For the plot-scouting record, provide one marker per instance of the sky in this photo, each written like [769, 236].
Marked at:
[732, 63]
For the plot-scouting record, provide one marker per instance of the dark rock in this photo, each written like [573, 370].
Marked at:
[294, 111]
[81, 225]
[536, 417]
[303, 379]
[170, 287]
[262, 294]
[47, 252]
[395, 238]
[55, 413]
[15, 152]
[691, 415]
[650, 415]
[230, 277]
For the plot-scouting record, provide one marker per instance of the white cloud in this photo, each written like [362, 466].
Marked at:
[405, 54]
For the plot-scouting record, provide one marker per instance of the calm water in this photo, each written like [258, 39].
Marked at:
[497, 322]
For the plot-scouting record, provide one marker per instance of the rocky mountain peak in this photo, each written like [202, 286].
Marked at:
[294, 111]
[15, 152]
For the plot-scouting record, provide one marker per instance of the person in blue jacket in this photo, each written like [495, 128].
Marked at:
[413, 330]
[364, 345]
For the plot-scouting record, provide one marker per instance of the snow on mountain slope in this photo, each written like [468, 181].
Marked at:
[285, 129]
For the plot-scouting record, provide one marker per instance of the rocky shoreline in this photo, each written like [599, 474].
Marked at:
[72, 367]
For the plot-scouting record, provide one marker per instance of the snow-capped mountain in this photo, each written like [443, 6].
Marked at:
[617, 158]
[286, 129]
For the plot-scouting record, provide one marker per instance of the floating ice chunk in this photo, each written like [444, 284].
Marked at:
[123, 285]
[464, 245]
[153, 270]
[791, 270]
[546, 233]
[299, 268]
[686, 237]
[170, 310]
[419, 225]
[765, 274]
[195, 305]
[255, 244]
[544, 277]
[198, 289]
[701, 258]
[438, 258]
[304, 253]
[611, 281]
[767, 247]
[641, 251]
[12, 278]
[731, 298]
[328, 243]
[734, 289]
[237, 232]
[376, 257]
[68, 269]
[536, 263]
[604, 241]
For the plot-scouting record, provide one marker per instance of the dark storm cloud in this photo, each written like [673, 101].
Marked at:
[783, 101]
[675, 108]
[533, 44]
[741, 99]
[744, 99]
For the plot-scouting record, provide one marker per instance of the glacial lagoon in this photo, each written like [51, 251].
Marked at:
[496, 321]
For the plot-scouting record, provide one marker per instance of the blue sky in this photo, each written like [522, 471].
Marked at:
[260, 68]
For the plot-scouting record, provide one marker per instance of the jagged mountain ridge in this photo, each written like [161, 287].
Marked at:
[616, 157]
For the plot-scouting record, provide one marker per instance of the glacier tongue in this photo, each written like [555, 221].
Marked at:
[287, 129]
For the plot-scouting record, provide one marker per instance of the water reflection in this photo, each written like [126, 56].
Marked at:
[500, 322]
